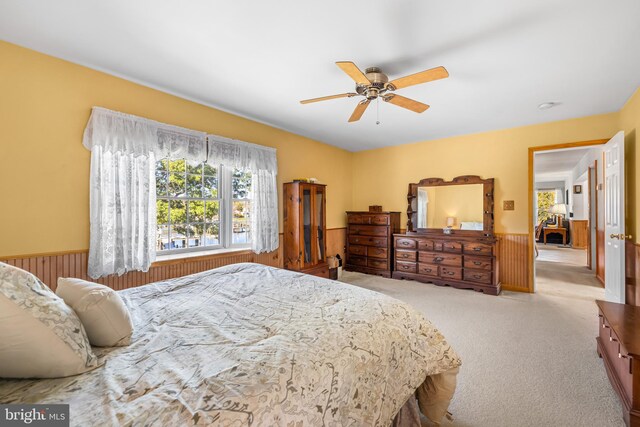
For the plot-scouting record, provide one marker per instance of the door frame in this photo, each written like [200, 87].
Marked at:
[532, 151]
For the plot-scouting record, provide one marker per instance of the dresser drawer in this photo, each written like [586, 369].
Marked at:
[368, 241]
[378, 263]
[373, 219]
[406, 244]
[402, 255]
[357, 260]
[368, 230]
[478, 262]
[478, 276]
[407, 267]
[357, 250]
[428, 269]
[478, 248]
[440, 258]
[425, 245]
[379, 219]
[451, 247]
[374, 252]
[451, 273]
[357, 219]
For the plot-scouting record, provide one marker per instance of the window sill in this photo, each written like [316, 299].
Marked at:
[194, 256]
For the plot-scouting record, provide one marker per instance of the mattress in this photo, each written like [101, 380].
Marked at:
[248, 344]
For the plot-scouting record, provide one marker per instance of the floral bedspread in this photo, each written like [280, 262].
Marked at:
[247, 345]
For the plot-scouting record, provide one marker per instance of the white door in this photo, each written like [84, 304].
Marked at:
[614, 274]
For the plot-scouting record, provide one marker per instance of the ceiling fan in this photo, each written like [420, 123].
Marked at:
[373, 84]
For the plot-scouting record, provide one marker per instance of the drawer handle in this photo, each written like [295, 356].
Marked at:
[438, 259]
[450, 273]
[477, 249]
[621, 356]
[477, 263]
[477, 276]
[604, 326]
[612, 339]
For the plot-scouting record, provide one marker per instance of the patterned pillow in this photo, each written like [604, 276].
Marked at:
[40, 336]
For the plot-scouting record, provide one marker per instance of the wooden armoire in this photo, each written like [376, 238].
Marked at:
[305, 228]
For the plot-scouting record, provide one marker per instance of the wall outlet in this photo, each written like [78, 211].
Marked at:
[508, 205]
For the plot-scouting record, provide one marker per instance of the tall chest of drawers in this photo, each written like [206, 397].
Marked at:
[369, 241]
[461, 262]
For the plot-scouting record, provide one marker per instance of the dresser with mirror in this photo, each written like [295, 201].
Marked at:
[449, 239]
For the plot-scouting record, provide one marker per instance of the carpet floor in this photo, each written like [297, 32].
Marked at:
[527, 359]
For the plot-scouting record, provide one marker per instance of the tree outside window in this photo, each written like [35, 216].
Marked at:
[546, 200]
[189, 204]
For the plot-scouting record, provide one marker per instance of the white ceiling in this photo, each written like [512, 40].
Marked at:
[557, 165]
[259, 58]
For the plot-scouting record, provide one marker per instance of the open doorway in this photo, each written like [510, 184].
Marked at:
[566, 221]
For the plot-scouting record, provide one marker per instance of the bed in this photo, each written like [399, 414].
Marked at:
[248, 344]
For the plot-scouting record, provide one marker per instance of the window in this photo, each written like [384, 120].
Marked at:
[201, 207]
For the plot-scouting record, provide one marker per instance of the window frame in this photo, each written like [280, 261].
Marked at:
[224, 176]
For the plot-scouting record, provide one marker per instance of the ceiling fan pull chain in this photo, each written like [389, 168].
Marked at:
[378, 110]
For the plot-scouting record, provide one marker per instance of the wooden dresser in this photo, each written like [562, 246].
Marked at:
[369, 240]
[619, 346]
[449, 239]
[461, 262]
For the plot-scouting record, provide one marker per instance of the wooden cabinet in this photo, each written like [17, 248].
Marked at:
[305, 228]
[579, 232]
[618, 343]
[369, 237]
[459, 261]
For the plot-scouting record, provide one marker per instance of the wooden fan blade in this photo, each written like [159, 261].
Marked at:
[354, 72]
[325, 98]
[359, 111]
[417, 78]
[407, 103]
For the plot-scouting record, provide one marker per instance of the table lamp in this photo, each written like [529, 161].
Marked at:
[559, 209]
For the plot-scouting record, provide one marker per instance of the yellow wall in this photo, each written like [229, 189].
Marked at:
[45, 103]
[630, 123]
[44, 170]
[382, 175]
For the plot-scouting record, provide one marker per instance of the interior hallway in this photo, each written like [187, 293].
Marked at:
[562, 271]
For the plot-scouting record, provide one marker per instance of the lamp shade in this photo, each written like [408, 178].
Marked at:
[559, 209]
[451, 221]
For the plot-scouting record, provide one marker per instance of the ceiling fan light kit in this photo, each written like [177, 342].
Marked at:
[374, 84]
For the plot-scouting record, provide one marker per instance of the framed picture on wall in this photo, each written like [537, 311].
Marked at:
[577, 189]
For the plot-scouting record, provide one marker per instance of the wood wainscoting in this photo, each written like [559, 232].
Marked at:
[513, 262]
[336, 241]
[632, 274]
[600, 255]
[579, 232]
[48, 267]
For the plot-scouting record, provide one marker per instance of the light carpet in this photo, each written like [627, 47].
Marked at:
[528, 359]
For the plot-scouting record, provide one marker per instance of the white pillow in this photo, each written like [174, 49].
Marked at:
[40, 336]
[100, 309]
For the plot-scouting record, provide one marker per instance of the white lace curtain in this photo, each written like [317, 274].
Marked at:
[124, 149]
[262, 163]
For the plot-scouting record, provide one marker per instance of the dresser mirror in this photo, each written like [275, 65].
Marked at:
[461, 206]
